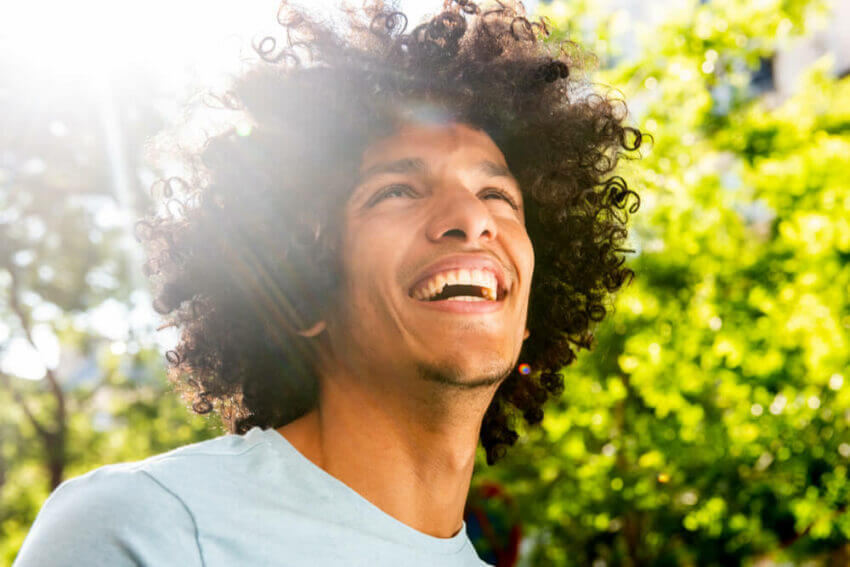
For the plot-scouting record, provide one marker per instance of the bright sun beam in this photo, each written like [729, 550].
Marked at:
[88, 37]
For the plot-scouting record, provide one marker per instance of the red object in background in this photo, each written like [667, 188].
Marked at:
[492, 511]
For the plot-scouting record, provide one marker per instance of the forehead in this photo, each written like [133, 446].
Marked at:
[433, 141]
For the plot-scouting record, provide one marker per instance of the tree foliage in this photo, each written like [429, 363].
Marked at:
[712, 424]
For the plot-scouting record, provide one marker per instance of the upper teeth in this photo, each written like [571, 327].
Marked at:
[434, 285]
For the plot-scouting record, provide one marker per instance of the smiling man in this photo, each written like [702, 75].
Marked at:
[429, 319]
[413, 218]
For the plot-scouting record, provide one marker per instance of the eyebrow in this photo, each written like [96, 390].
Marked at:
[416, 165]
[406, 165]
[494, 169]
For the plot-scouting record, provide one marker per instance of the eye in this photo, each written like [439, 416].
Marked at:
[494, 193]
[391, 192]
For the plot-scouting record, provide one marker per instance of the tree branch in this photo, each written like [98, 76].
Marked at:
[798, 536]
[55, 387]
[7, 382]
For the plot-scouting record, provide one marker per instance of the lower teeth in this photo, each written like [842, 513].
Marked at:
[465, 298]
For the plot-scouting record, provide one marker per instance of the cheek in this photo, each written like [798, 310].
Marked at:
[521, 251]
[369, 264]
[528, 252]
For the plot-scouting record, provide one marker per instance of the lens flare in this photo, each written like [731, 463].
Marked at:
[524, 369]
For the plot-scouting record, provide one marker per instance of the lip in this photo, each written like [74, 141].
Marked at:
[465, 262]
[462, 306]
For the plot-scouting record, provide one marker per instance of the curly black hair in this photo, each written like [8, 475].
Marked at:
[250, 257]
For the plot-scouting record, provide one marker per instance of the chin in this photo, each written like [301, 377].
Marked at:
[464, 373]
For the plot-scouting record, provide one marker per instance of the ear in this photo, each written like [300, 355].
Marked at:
[313, 331]
[526, 334]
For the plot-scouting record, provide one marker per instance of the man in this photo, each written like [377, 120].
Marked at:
[354, 284]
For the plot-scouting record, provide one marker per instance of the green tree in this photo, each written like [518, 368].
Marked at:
[711, 426]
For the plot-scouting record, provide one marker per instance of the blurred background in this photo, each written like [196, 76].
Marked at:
[709, 426]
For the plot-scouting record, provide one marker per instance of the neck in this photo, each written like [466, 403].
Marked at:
[411, 455]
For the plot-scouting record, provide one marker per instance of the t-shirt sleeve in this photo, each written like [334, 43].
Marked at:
[115, 516]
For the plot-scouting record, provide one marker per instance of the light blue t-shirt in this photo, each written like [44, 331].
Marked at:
[248, 499]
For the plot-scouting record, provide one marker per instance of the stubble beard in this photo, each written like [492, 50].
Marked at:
[452, 376]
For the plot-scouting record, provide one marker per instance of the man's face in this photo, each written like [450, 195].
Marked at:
[436, 260]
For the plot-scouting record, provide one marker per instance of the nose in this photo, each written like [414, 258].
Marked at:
[460, 215]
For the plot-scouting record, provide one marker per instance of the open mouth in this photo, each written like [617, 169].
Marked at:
[459, 285]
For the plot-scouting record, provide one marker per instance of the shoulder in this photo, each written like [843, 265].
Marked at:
[209, 469]
[156, 480]
[219, 448]
[115, 515]
[133, 513]
[111, 494]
